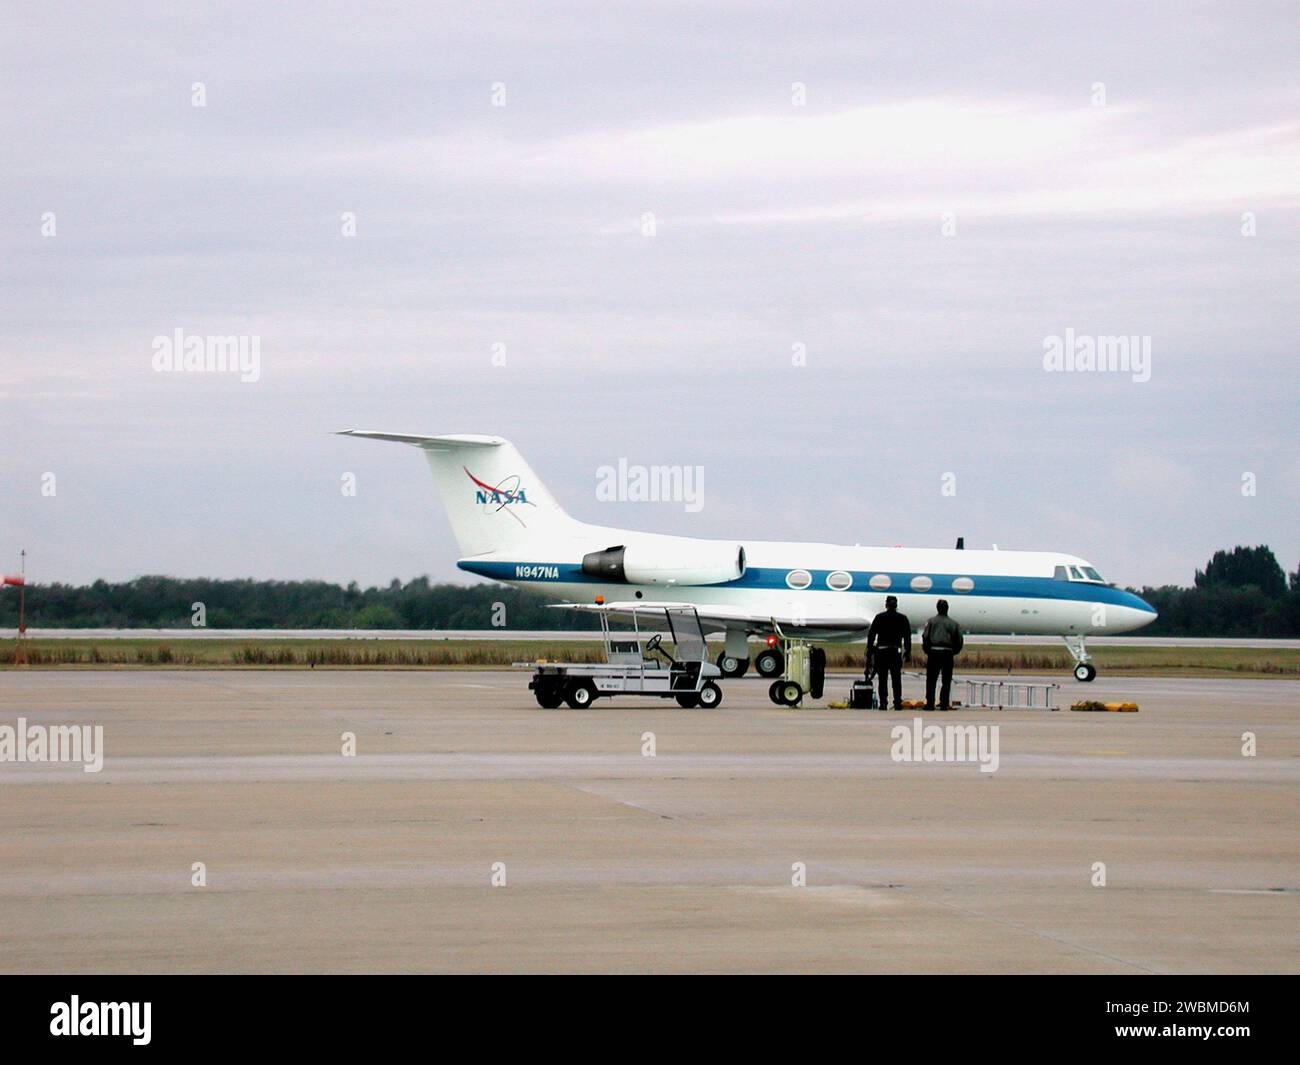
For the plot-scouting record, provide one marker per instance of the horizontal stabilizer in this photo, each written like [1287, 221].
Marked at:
[494, 501]
[426, 441]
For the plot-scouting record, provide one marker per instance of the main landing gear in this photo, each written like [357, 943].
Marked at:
[770, 662]
[734, 660]
[732, 666]
[1084, 670]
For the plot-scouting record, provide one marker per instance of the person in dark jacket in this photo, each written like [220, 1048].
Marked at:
[941, 640]
[889, 645]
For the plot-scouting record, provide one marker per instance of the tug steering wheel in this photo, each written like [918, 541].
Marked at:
[654, 645]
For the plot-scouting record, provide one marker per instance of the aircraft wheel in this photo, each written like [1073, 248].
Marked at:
[581, 695]
[774, 693]
[710, 696]
[1085, 671]
[791, 693]
[769, 663]
[732, 666]
[689, 701]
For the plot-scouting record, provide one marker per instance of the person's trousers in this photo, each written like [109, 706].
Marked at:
[889, 664]
[938, 663]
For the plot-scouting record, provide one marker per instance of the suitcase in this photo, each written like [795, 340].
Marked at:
[862, 696]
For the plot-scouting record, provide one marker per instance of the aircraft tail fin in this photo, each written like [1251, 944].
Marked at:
[493, 498]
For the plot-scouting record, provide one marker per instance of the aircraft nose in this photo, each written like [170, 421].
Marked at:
[1135, 611]
[1138, 603]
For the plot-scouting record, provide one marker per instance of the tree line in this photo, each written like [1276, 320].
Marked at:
[1243, 592]
[173, 603]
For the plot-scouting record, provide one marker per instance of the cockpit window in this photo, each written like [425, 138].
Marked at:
[1077, 573]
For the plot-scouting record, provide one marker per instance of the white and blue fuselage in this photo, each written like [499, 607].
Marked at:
[1000, 592]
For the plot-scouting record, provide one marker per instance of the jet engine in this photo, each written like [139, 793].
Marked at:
[689, 562]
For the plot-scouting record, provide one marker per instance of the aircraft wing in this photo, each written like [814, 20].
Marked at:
[718, 616]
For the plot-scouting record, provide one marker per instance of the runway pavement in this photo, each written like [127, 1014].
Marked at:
[585, 634]
[615, 861]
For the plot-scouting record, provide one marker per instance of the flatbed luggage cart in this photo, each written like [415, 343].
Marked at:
[636, 662]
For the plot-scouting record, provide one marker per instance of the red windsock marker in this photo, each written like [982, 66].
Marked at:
[14, 578]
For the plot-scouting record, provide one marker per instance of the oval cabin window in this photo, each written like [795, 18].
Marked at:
[798, 578]
[839, 581]
[963, 584]
[921, 584]
[880, 582]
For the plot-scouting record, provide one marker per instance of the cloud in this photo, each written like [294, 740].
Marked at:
[1150, 473]
[775, 226]
[903, 160]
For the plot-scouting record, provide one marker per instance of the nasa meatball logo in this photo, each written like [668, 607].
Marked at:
[508, 493]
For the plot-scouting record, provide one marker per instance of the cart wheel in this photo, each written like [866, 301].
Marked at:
[770, 662]
[774, 692]
[710, 695]
[731, 666]
[791, 693]
[581, 695]
[689, 701]
[549, 698]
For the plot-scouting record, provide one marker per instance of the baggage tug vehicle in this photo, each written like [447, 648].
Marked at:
[636, 662]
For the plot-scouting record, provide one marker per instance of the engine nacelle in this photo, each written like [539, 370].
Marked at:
[686, 563]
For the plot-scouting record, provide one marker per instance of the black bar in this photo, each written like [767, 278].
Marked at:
[351, 1013]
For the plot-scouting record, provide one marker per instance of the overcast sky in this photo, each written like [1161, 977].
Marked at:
[952, 186]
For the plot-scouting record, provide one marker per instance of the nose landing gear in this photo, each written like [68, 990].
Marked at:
[1084, 670]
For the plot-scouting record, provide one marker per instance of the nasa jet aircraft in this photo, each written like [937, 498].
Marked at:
[511, 529]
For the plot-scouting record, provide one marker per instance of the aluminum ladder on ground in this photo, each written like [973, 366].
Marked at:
[1010, 695]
